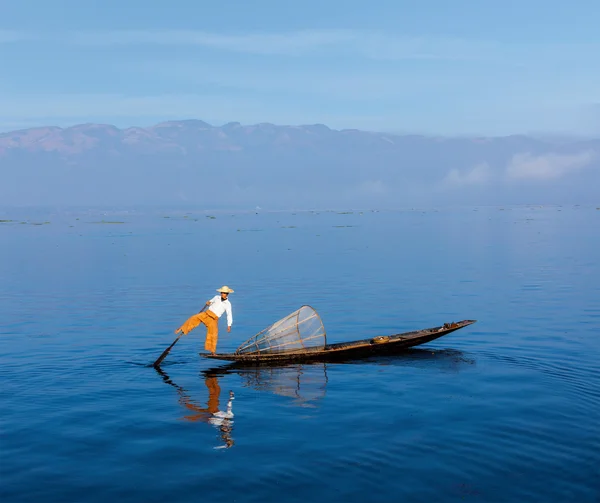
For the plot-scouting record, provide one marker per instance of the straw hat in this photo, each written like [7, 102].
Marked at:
[225, 289]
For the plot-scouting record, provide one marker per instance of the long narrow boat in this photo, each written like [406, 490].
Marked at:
[303, 339]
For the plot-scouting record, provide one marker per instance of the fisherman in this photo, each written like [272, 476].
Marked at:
[218, 305]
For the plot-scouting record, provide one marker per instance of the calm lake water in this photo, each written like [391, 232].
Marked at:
[506, 410]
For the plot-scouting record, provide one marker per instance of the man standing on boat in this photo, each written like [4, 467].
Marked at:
[218, 305]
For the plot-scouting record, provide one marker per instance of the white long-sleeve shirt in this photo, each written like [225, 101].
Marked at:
[219, 307]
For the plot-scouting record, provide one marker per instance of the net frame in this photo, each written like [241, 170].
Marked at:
[265, 342]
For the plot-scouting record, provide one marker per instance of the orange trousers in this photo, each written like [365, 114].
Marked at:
[211, 320]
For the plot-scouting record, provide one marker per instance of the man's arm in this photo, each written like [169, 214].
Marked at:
[209, 302]
[229, 317]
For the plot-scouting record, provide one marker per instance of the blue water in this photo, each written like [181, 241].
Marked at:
[506, 410]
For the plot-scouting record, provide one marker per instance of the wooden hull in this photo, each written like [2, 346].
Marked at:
[350, 350]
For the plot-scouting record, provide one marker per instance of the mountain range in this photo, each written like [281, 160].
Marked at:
[194, 163]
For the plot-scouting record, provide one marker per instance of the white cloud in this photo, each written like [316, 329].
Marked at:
[480, 174]
[547, 166]
[259, 43]
[370, 44]
[367, 43]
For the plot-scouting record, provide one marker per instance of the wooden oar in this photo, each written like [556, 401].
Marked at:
[166, 351]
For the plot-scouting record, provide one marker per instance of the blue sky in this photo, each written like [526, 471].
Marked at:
[430, 66]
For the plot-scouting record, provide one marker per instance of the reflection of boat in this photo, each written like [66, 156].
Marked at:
[305, 384]
[301, 336]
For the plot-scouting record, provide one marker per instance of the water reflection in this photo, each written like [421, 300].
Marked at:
[304, 383]
[211, 414]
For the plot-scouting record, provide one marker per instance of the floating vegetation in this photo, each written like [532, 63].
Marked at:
[112, 222]
[345, 213]
[249, 230]
[212, 217]
[288, 226]
[37, 223]
[6, 221]
[340, 226]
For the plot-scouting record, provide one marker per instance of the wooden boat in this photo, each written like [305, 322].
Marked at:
[381, 345]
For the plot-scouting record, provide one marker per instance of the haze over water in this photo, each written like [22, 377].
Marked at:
[505, 410]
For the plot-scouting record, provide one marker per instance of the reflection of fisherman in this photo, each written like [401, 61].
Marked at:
[210, 318]
[211, 413]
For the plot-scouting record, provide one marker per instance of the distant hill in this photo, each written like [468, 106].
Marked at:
[194, 163]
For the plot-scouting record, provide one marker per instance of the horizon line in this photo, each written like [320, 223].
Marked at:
[531, 134]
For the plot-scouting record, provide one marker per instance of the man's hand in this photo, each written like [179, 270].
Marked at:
[229, 329]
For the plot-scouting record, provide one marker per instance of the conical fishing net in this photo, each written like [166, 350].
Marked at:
[302, 329]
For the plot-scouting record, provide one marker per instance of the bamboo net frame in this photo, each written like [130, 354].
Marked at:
[300, 330]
